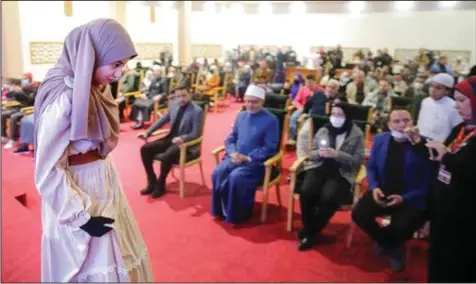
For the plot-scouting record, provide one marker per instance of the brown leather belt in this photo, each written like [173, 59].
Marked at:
[85, 158]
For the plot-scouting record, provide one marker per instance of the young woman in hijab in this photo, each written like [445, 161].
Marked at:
[452, 228]
[89, 232]
[337, 154]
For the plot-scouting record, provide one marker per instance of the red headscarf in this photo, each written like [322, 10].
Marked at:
[468, 88]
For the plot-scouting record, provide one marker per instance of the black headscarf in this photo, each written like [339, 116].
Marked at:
[345, 128]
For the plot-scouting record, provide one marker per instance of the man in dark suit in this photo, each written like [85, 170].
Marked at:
[185, 120]
[399, 181]
[157, 92]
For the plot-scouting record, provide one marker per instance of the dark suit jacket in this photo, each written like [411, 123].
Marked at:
[190, 126]
[417, 171]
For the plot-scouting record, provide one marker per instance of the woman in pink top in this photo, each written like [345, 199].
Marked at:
[304, 93]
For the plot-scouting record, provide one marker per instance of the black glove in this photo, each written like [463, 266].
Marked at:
[96, 226]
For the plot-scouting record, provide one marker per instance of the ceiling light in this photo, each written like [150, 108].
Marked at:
[356, 6]
[166, 4]
[298, 7]
[237, 9]
[209, 7]
[448, 4]
[404, 6]
[266, 8]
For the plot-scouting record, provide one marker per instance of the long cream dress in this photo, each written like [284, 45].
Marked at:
[70, 194]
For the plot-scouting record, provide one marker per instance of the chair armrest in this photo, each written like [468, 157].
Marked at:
[217, 152]
[303, 117]
[297, 164]
[361, 175]
[12, 104]
[290, 108]
[130, 94]
[192, 142]
[160, 132]
[273, 160]
[27, 110]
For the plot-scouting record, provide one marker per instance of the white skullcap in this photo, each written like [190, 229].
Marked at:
[255, 91]
[156, 68]
[444, 79]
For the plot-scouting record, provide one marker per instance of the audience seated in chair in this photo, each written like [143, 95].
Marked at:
[336, 156]
[26, 134]
[303, 95]
[399, 180]
[243, 78]
[379, 100]
[144, 105]
[254, 139]
[262, 75]
[128, 83]
[185, 118]
[358, 89]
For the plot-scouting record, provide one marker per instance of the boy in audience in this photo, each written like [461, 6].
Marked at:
[399, 180]
[438, 118]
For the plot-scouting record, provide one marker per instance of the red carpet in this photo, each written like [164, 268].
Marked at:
[185, 243]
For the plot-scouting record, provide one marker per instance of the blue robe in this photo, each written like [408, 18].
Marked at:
[234, 186]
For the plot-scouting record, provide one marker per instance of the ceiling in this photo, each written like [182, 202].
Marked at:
[282, 7]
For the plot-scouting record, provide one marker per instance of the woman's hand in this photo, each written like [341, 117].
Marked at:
[327, 152]
[439, 147]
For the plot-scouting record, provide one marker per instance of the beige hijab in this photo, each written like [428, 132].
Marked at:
[94, 114]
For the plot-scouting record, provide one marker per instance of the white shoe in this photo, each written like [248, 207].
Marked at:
[4, 140]
[9, 144]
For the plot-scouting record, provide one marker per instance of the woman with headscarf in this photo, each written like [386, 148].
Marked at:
[453, 230]
[335, 158]
[89, 232]
[294, 88]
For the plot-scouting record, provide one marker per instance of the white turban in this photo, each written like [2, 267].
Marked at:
[255, 91]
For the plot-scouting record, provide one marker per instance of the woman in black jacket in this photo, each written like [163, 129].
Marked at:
[452, 256]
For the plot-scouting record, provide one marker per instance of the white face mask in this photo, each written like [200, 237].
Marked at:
[337, 121]
[399, 135]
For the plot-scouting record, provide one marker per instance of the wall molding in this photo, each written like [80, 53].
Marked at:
[49, 52]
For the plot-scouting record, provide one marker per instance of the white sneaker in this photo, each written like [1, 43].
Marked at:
[9, 144]
[4, 140]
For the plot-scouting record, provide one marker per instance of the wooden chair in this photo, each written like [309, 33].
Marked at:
[315, 122]
[186, 160]
[137, 85]
[272, 176]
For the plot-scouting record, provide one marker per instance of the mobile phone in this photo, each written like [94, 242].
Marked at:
[386, 200]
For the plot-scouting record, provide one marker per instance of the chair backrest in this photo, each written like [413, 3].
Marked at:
[401, 102]
[365, 127]
[359, 112]
[204, 105]
[315, 123]
[276, 101]
[281, 114]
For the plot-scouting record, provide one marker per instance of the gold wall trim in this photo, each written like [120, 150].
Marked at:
[49, 52]
[402, 54]
[206, 50]
[45, 52]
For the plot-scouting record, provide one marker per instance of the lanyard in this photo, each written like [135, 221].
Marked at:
[461, 139]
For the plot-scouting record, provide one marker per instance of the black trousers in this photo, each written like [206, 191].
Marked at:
[6, 114]
[405, 221]
[169, 155]
[321, 195]
[14, 120]
[241, 92]
[145, 107]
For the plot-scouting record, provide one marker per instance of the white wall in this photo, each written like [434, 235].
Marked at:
[164, 30]
[52, 25]
[447, 30]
